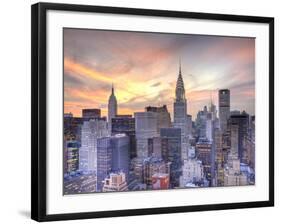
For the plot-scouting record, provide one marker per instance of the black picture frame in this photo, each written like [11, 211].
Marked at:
[39, 122]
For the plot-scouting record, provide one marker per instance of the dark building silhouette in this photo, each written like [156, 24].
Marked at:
[224, 108]
[126, 124]
[173, 153]
[91, 113]
[242, 121]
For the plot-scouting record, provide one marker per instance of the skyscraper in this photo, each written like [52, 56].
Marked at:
[173, 154]
[224, 108]
[126, 125]
[219, 158]
[112, 156]
[146, 127]
[156, 146]
[201, 121]
[104, 160]
[120, 153]
[72, 156]
[234, 139]
[209, 127]
[242, 121]
[112, 108]
[204, 153]
[91, 131]
[163, 116]
[180, 113]
[72, 127]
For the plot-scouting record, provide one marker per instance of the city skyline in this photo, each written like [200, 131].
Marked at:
[139, 134]
[146, 71]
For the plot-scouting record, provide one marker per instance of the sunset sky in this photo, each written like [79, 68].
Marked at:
[144, 68]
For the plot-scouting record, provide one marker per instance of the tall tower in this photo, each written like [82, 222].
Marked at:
[180, 113]
[224, 108]
[112, 108]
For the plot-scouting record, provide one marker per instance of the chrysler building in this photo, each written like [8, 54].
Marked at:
[180, 114]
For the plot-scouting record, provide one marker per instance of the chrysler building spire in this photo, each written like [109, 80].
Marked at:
[180, 91]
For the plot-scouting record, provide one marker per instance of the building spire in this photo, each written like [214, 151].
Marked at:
[180, 91]
[112, 89]
[180, 66]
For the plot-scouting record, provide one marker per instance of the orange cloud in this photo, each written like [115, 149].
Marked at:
[90, 96]
[84, 71]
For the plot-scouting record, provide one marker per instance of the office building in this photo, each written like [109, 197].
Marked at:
[163, 116]
[209, 127]
[72, 156]
[126, 124]
[224, 108]
[112, 156]
[91, 131]
[72, 128]
[234, 141]
[201, 123]
[154, 146]
[91, 113]
[120, 153]
[242, 121]
[173, 153]
[104, 160]
[115, 182]
[146, 127]
[204, 154]
[219, 158]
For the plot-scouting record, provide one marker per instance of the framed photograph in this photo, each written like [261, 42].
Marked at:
[139, 111]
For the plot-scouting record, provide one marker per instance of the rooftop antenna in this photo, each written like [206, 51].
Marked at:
[112, 88]
[180, 64]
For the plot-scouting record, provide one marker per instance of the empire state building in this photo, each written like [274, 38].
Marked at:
[112, 108]
[180, 113]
